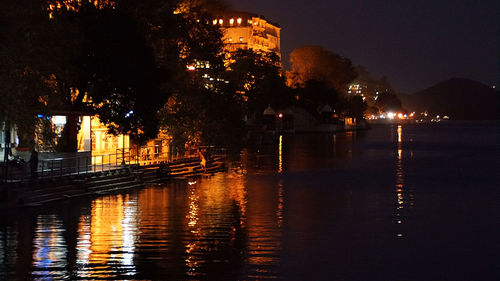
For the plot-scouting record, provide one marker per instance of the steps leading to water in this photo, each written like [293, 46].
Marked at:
[38, 192]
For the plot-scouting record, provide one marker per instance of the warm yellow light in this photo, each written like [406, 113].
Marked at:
[215, 22]
[239, 20]
[231, 21]
[191, 67]
[221, 21]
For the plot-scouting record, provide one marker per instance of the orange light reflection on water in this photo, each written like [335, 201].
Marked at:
[107, 237]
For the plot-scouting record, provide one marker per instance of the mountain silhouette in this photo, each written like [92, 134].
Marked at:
[458, 98]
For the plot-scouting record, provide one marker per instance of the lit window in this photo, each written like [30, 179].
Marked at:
[241, 39]
[249, 21]
[231, 21]
[221, 21]
[239, 20]
[215, 22]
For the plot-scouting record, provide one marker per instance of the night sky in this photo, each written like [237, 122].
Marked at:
[416, 43]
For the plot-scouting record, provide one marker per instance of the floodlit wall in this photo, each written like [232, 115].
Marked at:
[247, 31]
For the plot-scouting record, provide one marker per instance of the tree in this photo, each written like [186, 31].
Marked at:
[104, 66]
[314, 62]
[201, 109]
[256, 76]
[388, 102]
[318, 93]
[355, 107]
[22, 84]
[371, 86]
[119, 59]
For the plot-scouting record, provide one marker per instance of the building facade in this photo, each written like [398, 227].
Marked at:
[244, 30]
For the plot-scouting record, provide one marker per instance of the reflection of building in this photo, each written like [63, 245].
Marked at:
[248, 31]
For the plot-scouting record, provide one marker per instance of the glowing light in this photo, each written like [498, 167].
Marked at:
[280, 115]
[400, 133]
[214, 22]
[221, 21]
[191, 67]
[59, 120]
[239, 20]
[231, 21]
[391, 115]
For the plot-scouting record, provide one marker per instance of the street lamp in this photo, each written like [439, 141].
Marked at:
[123, 139]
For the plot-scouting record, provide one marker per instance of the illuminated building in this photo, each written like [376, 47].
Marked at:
[244, 30]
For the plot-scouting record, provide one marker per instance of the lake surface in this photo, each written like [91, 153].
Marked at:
[410, 202]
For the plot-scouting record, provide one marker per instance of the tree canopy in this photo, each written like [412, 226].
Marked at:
[316, 63]
[119, 59]
[256, 76]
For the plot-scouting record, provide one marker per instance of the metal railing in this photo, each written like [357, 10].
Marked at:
[86, 164]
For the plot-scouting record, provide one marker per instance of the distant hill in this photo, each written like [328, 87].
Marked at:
[459, 98]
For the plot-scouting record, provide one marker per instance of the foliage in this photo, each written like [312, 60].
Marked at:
[22, 85]
[256, 76]
[46, 135]
[316, 63]
[355, 107]
[388, 102]
[199, 115]
[317, 93]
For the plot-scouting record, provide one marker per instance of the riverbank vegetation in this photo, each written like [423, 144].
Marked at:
[150, 66]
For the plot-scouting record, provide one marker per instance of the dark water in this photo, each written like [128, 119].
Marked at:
[392, 203]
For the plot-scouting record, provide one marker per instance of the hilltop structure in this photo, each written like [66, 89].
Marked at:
[244, 30]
